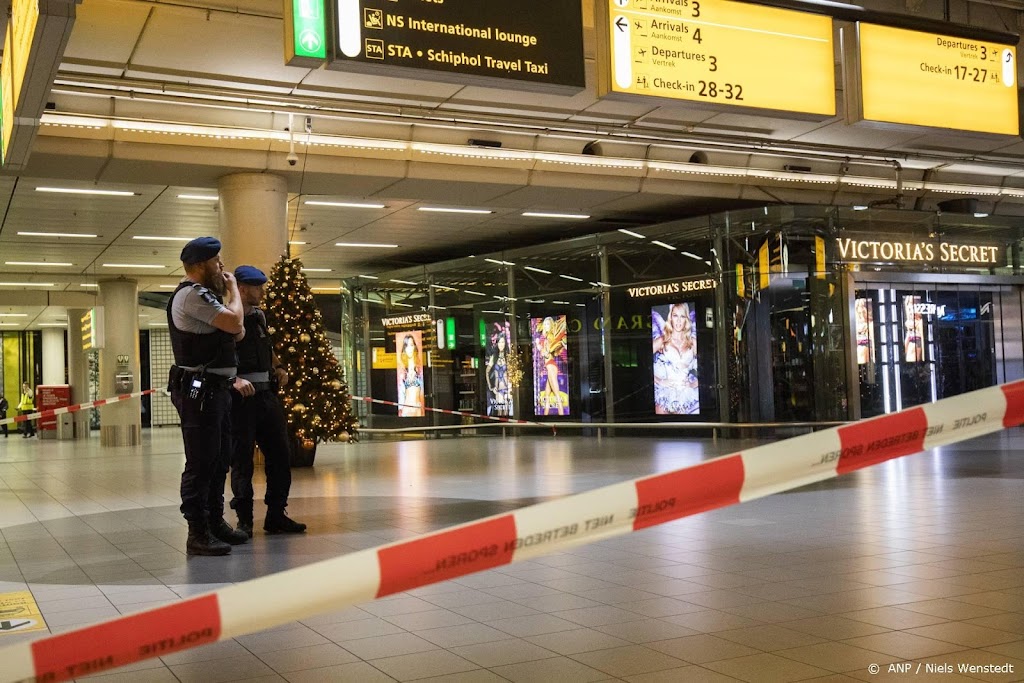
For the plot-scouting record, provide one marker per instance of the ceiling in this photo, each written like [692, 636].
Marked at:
[162, 99]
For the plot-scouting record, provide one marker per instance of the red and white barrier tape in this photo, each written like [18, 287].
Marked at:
[526, 533]
[75, 408]
[509, 420]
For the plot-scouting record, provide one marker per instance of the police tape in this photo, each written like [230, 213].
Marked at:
[75, 408]
[493, 418]
[511, 537]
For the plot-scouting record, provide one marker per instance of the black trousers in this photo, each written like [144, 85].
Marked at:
[259, 420]
[30, 425]
[206, 431]
[3, 427]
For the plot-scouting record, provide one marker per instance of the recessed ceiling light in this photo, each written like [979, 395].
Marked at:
[437, 209]
[365, 245]
[316, 270]
[27, 284]
[163, 239]
[538, 270]
[541, 214]
[860, 207]
[72, 190]
[38, 263]
[345, 205]
[200, 197]
[53, 234]
[662, 244]
[981, 215]
[132, 265]
[570, 277]
[631, 233]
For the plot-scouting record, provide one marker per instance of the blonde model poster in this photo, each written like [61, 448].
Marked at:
[550, 366]
[674, 337]
[865, 330]
[409, 347]
[913, 335]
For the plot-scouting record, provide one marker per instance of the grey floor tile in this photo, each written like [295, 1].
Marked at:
[702, 648]
[311, 657]
[296, 635]
[489, 611]
[907, 645]
[217, 670]
[577, 640]
[687, 674]
[475, 676]
[354, 630]
[388, 646]
[419, 621]
[711, 621]
[769, 637]
[465, 634]
[838, 657]
[628, 660]
[968, 635]
[766, 668]
[556, 602]
[423, 665]
[645, 630]
[356, 672]
[550, 670]
[159, 675]
[532, 625]
[500, 652]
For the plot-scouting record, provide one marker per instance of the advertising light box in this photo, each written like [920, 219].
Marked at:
[531, 44]
[936, 81]
[719, 52]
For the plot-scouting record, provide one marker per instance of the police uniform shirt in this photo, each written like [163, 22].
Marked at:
[194, 310]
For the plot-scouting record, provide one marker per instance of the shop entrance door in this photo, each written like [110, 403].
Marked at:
[918, 343]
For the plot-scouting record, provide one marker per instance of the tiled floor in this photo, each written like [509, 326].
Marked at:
[917, 561]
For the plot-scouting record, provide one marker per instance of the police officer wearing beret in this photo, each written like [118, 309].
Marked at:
[257, 417]
[204, 317]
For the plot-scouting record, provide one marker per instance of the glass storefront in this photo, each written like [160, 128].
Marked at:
[778, 314]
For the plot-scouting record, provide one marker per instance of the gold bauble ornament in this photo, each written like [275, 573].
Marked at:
[291, 349]
[298, 408]
[316, 371]
[344, 437]
[308, 444]
[304, 338]
[271, 330]
[336, 385]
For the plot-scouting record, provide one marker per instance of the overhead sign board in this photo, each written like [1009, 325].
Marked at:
[926, 79]
[719, 52]
[930, 251]
[305, 32]
[536, 43]
[37, 33]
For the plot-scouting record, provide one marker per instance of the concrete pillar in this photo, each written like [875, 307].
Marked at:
[78, 370]
[120, 423]
[253, 220]
[53, 355]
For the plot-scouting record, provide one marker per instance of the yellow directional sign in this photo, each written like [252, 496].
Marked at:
[19, 613]
[927, 79]
[720, 52]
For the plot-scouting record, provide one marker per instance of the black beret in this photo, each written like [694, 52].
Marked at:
[200, 249]
[250, 275]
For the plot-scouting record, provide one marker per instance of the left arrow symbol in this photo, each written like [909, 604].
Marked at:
[622, 24]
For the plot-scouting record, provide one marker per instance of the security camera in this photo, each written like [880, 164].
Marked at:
[293, 158]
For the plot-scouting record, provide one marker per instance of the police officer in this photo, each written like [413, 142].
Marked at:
[204, 317]
[257, 416]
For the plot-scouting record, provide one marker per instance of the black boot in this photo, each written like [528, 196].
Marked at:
[222, 530]
[278, 523]
[244, 513]
[201, 542]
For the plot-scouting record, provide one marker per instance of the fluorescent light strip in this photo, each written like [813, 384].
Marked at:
[298, 243]
[440, 308]
[541, 214]
[168, 286]
[199, 197]
[53, 324]
[369, 277]
[402, 305]
[570, 277]
[316, 270]
[345, 205]
[404, 282]
[71, 190]
[599, 284]
[131, 265]
[158, 324]
[538, 270]
[563, 303]
[86, 284]
[332, 290]
[163, 239]
[9, 325]
[436, 209]
[692, 255]
[444, 288]
[13, 315]
[53, 234]
[38, 263]
[631, 233]
[499, 262]
[662, 244]
[470, 291]
[365, 245]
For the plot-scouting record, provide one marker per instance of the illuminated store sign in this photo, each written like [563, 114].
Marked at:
[538, 43]
[926, 79]
[672, 288]
[404, 320]
[730, 53]
[920, 252]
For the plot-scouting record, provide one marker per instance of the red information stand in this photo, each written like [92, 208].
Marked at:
[48, 397]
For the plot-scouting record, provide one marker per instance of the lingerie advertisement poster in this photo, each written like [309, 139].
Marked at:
[913, 330]
[674, 338]
[499, 347]
[409, 350]
[865, 331]
[550, 366]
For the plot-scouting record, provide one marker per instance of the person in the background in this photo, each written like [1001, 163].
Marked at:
[3, 413]
[26, 406]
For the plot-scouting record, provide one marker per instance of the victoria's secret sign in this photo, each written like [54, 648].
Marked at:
[925, 251]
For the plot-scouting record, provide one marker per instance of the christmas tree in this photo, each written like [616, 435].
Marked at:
[316, 399]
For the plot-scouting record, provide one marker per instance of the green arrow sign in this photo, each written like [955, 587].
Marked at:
[305, 33]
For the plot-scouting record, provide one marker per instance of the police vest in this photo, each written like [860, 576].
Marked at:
[213, 350]
[255, 351]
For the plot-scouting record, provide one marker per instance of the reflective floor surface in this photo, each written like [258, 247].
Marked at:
[917, 561]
